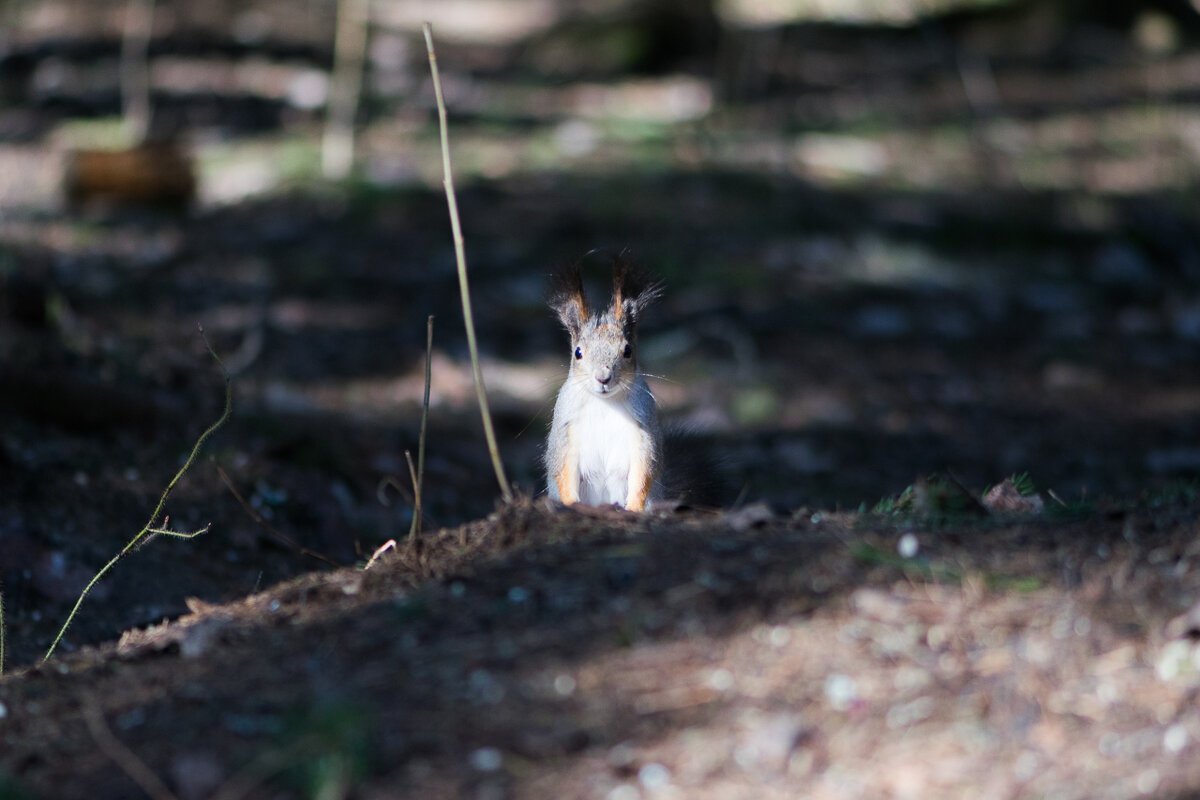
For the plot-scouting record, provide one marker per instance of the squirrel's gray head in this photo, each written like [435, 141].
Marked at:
[604, 343]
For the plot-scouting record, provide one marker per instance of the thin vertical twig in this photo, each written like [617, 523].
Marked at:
[419, 479]
[345, 87]
[461, 260]
[135, 69]
[412, 475]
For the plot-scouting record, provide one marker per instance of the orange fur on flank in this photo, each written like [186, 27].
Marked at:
[568, 477]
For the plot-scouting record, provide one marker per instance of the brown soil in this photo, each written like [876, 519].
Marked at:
[543, 653]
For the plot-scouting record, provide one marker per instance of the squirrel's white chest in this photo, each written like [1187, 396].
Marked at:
[609, 440]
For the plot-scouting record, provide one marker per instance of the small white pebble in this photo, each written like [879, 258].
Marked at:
[1082, 626]
[908, 546]
[564, 684]
[1025, 766]
[721, 680]
[1174, 740]
[937, 637]
[1173, 659]
[517, 594]
[1147, 781]
[779, 636]
[485, 685]
[745, 756]
[622, 756]
[576, 137]
[198, 639]
[910, 713]
[654, 776]
[487, 759]
[841, 691]
[908, 678]
[197, 774]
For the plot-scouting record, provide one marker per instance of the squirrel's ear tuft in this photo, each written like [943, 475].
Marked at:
[633, 288]
[566, 297]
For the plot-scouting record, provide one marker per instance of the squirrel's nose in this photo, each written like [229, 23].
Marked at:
[603, 376]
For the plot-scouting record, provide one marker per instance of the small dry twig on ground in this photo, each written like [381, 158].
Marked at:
[257, 517]
[267, 764]
[241, 784]
[461, 259]
[121, 755]
[387, 546]
[150, 530]
[391, 480]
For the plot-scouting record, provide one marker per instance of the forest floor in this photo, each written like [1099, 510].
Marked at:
[593, 653]
[874, 310]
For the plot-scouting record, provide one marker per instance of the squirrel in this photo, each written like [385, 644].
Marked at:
[605, 444]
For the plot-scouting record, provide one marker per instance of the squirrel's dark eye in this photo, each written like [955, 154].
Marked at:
[578, 353]
[628, 351]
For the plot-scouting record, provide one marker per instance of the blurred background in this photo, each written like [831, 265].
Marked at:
[898, 238]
